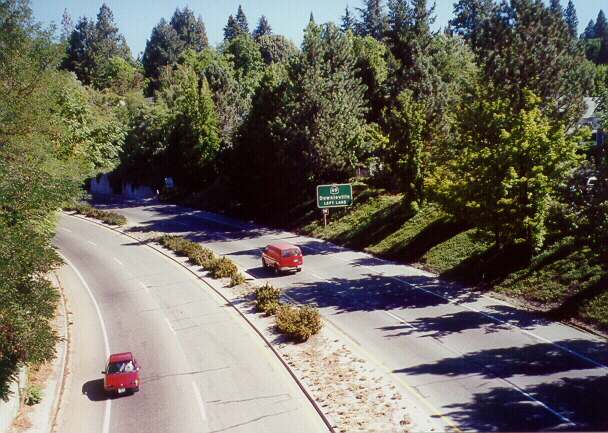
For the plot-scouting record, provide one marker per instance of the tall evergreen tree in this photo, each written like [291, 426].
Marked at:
[190, 30]
[67, 26]
[373, 21]
[79, 54]
[556, 7]
[590, 30]
[348, 21]
[169, 40]
[162, 49]
[91, 45]
[263, 28]
[470, 16]
[601, 25]
[511, 45]
[241, 20]
[108, 42]
[231, 30]
[571, 19]
[601, 32]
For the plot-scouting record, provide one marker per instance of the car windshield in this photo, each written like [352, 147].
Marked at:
[291, 252]
[118, 367]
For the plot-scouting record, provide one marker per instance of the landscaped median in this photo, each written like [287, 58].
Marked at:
[108, 217]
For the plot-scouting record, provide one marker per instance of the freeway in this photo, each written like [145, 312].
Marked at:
[482, 363]
[203, 368]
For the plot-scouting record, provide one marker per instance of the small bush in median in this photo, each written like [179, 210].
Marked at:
[237, 279]
[222, 268]
[299, 323]
[32, 395]
[107, 217]
[267, 299]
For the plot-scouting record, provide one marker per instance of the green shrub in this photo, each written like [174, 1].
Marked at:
[32, 395]
[222, 268]
[107, 217]
[299, 323]
[267, 299]
[237, 279]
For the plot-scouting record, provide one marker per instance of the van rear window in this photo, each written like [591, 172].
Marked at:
[291, 252]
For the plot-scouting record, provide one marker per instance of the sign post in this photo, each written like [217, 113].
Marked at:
[337, 195]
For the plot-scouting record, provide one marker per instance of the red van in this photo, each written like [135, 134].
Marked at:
[282, 257]
[121, 373]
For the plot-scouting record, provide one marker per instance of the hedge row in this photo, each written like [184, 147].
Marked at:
[218, 267]
[298, 323]
[107, 217]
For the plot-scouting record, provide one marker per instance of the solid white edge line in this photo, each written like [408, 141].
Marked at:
[108, 408]
[199, 400]
[117, 261]
[66, 230]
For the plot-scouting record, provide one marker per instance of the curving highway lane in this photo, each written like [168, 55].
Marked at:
[481, 363]
[203, 368]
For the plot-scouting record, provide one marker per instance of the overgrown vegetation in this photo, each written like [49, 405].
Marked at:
[108, 217]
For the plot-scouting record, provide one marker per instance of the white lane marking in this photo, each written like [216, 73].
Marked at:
[318, 277]
[517, 388]
[169, 325]
[92, 243]
[117, 261]
[65, 230]
[108, 408]
[199, 400]
[400, 320]
[144, 287]
[504, 322]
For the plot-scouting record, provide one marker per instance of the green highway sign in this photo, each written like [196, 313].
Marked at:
[340, 195]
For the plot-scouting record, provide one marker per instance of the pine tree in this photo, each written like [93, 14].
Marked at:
[67, 26]
[348, 21]
[601, 25]
[571, 19]
[231, 30]
[162, 49]
[373, 20]
[190, 30]
[263, 28]
[108, 42]
[469, 18]
[590, 30]
[241, 20]
[556, 7]
[601, 32]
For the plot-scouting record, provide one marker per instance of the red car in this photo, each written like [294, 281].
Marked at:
[121, 373]
[282, 257]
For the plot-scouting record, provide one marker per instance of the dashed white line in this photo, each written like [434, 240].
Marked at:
[92, 243]
[66, 230]
[199, 400]
[117, 261]
[400, 320]
[169, 325]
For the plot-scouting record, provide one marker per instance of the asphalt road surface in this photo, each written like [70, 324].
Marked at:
[482, 363]
[202, 368]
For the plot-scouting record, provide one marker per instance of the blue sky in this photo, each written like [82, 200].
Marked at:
[135, 18]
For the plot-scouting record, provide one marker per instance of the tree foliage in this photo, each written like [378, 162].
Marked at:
[91, 46]
[168, 41]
